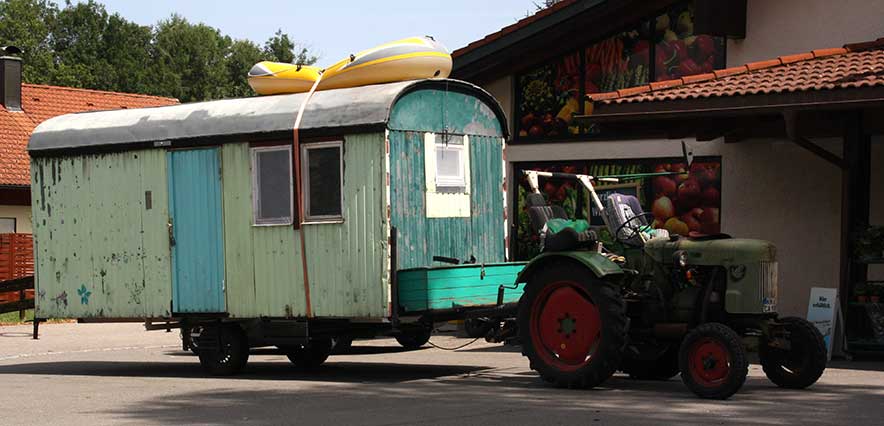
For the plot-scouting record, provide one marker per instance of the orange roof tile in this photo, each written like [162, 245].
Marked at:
[41, 102]
[854, 65]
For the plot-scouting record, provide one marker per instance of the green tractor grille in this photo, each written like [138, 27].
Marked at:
[768, 281]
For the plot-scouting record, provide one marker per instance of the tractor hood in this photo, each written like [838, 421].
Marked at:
[727, 251]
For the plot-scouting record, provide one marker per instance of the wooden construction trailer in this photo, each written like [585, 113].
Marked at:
[190, 214]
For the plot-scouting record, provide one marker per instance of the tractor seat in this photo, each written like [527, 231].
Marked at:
[539, 212]
[621, 209]
[557, 232]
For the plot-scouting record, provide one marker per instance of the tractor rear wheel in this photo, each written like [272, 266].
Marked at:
[803, 363]
[311, 355]
[713, 361]
[224, 350]
[572, 326]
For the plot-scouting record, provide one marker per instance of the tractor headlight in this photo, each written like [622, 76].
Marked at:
[680, 258]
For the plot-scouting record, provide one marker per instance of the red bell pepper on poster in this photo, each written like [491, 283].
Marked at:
[681, 50]
[688, 67]
[704, 47]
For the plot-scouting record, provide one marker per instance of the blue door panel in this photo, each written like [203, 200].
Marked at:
[198, 252]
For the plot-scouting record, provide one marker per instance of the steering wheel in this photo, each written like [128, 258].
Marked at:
[634, 228]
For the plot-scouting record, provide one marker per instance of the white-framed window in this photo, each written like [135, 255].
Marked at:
[450, 170]
[272, 185]
[7, 225]
[322, 180]
[447, 169]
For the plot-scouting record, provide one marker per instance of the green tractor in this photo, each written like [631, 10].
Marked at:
[663, 305]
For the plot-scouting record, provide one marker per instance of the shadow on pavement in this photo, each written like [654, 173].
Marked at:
[343, 372]
[482, 398]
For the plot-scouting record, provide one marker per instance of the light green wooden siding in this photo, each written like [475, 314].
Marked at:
[421, 238]
[345, 261]
[100, 251]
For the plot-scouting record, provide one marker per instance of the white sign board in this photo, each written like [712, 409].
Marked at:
[822, 311]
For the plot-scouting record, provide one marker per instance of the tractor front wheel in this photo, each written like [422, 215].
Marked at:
[800, 365]
[572, 326]
[713, 361]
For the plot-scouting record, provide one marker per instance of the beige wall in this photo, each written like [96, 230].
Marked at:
[22, 214]
[782, 27]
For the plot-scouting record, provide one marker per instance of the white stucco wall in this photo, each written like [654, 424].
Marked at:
[22, 214]
[782, 27]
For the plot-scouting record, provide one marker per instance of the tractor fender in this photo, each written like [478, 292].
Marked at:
[599, 265]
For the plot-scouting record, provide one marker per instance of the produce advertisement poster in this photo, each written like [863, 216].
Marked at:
[822, 311]
[689, 201]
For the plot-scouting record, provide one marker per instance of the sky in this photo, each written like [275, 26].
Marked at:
[336, 28]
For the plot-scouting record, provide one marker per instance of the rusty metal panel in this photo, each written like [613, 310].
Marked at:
[89, 216]
[346, 261]
[421, 238]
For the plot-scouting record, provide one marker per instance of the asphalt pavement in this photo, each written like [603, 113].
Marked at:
[96, 374]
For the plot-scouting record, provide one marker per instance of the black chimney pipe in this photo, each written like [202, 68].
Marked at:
[10, 78]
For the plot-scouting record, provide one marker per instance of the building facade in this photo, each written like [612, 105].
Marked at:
[546, 68]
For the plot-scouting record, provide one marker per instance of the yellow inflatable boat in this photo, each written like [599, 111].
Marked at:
[408, 59]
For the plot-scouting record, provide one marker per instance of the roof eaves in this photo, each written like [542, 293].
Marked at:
[520, 31]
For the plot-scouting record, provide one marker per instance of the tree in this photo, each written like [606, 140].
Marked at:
[281, 48]
[82, 45]
[191, 59]
[78, 42]
[243, 55]
[27, 24]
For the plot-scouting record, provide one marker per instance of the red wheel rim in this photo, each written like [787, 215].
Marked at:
[709, 362]
[565, 325]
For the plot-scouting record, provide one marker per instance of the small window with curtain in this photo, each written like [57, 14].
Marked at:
[323, 178]
[450, 169]
[272, 185]
[7, 225]
[447, 171]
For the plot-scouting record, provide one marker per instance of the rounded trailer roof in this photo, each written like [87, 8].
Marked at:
[330, 112]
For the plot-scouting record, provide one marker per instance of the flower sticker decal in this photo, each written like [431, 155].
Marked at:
[84, 294]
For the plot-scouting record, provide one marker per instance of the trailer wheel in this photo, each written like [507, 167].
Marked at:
[341, 345]
[713, 361]
[572, 326]
[229, 353]
[477, 327]
[415, 338]
[311, 355]
[802, 364]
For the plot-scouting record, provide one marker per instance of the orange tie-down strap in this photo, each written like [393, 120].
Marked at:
[296, 145]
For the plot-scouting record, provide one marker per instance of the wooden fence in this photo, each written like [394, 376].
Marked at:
[16, 273]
